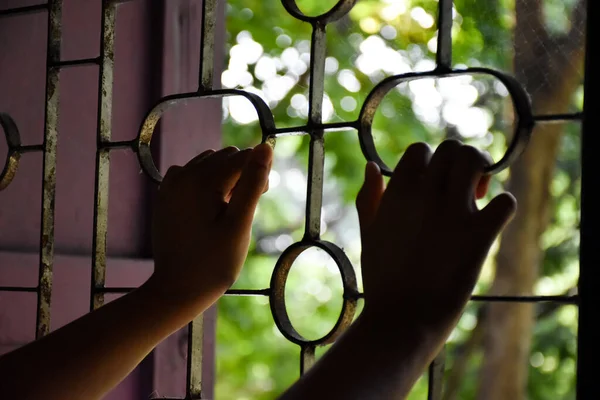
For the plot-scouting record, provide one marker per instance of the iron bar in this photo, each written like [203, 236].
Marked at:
[248, 292]
[31, 148]
[316, 155]
[51, 120]
[435, 378]
[194, 358]
[557, 118]
[77, 63]
[103, 135]
[18, 289]
[307, 358]
[207, 45]
[443, 54]
[12, 12]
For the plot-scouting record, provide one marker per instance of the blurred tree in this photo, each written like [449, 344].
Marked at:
[268, 54]
[549, 66]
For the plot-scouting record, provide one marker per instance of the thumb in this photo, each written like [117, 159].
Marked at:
[250, 187]
[498, 213]
[369, 196]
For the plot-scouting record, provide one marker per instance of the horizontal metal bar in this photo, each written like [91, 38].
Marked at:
[527, 299]
[113, 289]
[11, 12]
[30, 148]
[510, 299]
[76, 63]
[18, 289]
[304, 129]
[125, 144]
[248, 292]
[230, 292]
[556, 118]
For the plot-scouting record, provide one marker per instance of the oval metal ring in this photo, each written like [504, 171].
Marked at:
[13, 140]
[340, 9]
[524, 121]
[146, 131]
[279, 279]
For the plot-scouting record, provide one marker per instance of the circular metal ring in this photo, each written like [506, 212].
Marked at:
[13, 141]
[524, 120]
[340, 9]
[146, 131]
[279, 279]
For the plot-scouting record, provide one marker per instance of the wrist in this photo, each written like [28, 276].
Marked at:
[171, 298]
[403, 331]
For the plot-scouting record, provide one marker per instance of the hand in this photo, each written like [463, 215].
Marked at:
[424, 240]
[203, 218]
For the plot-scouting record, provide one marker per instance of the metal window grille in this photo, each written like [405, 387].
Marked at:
[316, 129]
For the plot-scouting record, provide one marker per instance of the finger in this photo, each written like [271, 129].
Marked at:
[484, 182]
[436, 177]
[170, 176]
[465, 175]
[494, 217]
[228, 174]
[369, 196]
[482, 187]
[213, 159]
[250, 187]
[200, 157]
[410, 169]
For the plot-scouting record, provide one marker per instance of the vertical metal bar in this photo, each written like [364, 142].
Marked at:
[205, 82]
[49, 174]
[194, 366]
[103, 135]
[444, 40]
[436, 376]
[588, 352]
[307, 358]
[207, 45]
[316, 158]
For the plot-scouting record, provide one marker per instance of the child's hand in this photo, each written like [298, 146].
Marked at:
[202, 222]
[424, 240]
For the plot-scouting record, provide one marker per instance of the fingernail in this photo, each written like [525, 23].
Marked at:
[371, 169]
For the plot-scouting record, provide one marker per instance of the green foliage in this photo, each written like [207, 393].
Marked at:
[377, 39]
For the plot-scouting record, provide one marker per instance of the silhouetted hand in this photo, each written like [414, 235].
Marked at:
[424, 239]
[203, 219]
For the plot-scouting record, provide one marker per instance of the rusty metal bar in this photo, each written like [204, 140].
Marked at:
[18, 289]
[443, 54]
[12, 12]
[316, 157]
[573, 117]
[330, 127]
[77, 63]
[248, 292]
[307, 358]
[528, 299]
[207, 45]
[51, 120]
[125, 144]
[511, 299]
[205, 83]
[31, 148]
[436, 376]
[194, 359]
[103, 135]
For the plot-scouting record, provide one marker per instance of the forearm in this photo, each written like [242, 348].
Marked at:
[88, 357]
[368, 362]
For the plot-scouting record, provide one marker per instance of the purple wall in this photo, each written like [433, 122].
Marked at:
[157, 51]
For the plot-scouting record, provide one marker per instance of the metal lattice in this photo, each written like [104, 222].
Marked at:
[315, 128]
